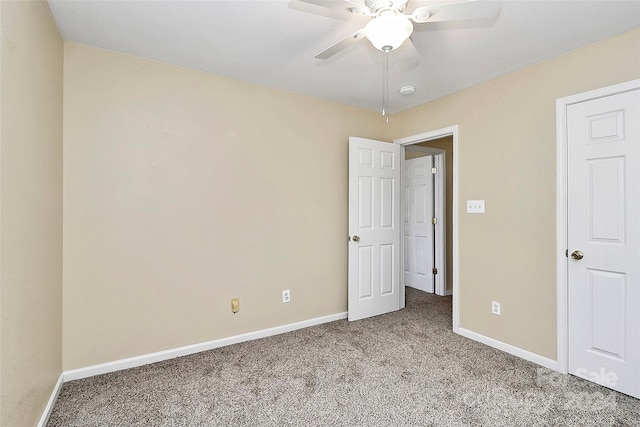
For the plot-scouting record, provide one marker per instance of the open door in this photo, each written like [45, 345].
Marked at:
[418, 231]
[374, 233]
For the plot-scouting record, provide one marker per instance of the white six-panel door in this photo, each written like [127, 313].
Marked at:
[418, 228]
[374, 233]
[603, 210]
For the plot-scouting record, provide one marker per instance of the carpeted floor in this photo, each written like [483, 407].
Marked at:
[401, 369]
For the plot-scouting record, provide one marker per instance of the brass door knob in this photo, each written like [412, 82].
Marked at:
[577, 255]
[356, 239]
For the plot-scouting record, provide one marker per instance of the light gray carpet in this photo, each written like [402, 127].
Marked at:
[402, 369]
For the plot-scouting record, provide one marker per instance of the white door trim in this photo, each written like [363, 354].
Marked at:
[428, 136]
[440, 192]
[561, 208]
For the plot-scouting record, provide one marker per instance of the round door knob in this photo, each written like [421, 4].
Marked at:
[577, 255]
[356, 239]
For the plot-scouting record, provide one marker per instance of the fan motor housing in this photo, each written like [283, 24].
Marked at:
[377, 6]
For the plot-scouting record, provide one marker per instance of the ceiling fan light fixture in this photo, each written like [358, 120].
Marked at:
[388, 31]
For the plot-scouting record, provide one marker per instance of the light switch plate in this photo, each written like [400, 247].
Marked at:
[475, 206]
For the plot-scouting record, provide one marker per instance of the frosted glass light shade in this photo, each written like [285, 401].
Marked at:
[388, 31]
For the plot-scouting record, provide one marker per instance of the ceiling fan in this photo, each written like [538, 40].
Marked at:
[389, 26]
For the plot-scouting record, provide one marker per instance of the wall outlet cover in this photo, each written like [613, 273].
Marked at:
[286, 296]
[495, 308]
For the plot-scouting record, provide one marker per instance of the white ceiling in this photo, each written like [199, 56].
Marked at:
[273, 42]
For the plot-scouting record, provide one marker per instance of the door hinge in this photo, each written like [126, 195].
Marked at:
[434, 221]
[434, 170]
[435, 270]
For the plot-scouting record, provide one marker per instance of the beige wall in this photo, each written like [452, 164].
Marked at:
[183, 190]
[507, 157]
[31, 210]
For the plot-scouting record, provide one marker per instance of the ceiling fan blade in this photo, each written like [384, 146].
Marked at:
[344, 10]
[337, 47]
[334, 3]
[458, 11]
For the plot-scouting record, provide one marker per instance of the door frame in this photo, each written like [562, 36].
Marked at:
[424, 137]
[562, 265]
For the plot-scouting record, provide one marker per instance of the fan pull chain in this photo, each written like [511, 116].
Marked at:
[385, 81]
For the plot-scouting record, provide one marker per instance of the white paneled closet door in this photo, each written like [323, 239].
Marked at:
[603, 208]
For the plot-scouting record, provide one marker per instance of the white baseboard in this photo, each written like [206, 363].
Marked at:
[145, 359]
[508, 348]
[52, 401]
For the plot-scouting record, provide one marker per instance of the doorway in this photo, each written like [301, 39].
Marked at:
[375, 224]
[444, 142]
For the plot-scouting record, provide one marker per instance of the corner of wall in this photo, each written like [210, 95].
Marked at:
[30, 211]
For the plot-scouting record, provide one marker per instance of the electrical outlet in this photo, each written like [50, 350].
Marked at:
[286, 296]
[235, 305]
[495, 308]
